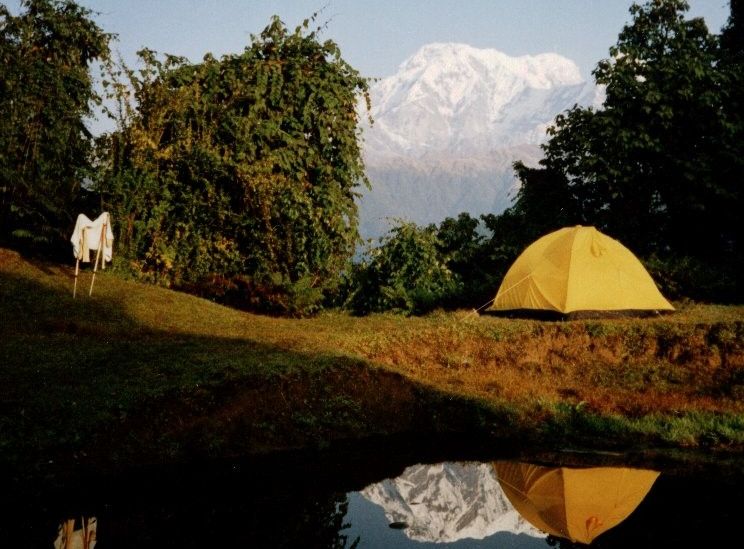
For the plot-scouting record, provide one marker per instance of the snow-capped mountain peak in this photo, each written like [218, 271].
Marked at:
[540, 71]
[457, 98]
[449, 124]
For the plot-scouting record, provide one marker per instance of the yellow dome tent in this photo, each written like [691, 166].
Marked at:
[576, 504]
[578, 269]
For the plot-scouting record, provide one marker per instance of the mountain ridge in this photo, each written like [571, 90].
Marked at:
[465, 114]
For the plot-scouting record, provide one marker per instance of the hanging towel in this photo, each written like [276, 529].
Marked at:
[87, 236]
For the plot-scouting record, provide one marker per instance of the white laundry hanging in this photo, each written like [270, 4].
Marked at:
[92, 235]
[88, 236]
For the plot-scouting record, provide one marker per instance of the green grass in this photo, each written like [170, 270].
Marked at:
[138, 373]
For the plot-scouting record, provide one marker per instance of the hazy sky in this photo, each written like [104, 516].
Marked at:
[375, 36]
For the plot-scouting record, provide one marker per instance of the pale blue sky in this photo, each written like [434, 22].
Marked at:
[375, 36]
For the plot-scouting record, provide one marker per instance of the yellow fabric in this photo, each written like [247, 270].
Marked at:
[577, 504]
[578, 269]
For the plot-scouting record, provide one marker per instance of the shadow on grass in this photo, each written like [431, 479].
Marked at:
[85, 384]
[96, 407]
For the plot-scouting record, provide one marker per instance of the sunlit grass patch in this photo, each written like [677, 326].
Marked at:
[689, 428]
[134, 357]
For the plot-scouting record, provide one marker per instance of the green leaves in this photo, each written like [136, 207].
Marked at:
[653, 165]
[46, 93]
[254, 158]
[649, 167]
[406, 273]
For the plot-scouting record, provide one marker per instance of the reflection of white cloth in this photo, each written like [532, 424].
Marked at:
[87, 237]
[68, 537]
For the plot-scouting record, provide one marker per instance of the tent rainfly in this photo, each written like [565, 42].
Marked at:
[92, 235]
[576, 504]
[577, 270]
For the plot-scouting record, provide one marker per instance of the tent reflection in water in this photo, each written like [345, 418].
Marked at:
[575, 271]
[576, 504]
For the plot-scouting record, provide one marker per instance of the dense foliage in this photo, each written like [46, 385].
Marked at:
[46, 92]
[661, 164]
[458, 263]
[405, 273]
[236, 177]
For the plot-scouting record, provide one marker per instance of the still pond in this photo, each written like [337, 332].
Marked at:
[362, 501]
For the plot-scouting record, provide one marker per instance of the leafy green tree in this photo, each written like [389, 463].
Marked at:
[732, 66]
[460, 241]
[660, 165]
[46, 92]
[465, 244]
[238, 174]
[406, 273]
[656, 165]
[545, 202]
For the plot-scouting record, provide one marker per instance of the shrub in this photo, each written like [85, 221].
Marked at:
[405, 273]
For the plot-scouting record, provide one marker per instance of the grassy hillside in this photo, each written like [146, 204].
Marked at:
[138, 374]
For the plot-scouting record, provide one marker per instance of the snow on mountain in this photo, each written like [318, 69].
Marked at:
[450, 123]
[448, 502]
[460, 99]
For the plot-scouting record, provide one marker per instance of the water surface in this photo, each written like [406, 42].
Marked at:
[347, 500]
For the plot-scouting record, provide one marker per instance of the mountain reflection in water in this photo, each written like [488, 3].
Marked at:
[339, 500]
[449, 502]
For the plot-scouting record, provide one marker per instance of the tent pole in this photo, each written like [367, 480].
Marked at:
[98, 254]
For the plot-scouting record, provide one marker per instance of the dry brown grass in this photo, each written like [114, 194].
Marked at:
[629, 366]
[639, 371]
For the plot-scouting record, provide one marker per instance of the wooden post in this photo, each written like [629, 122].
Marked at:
[77, 271]
[101, 242]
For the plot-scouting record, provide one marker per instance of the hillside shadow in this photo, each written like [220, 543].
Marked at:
[94, 406]
[85, 384]
[173, 430]
[32, 307]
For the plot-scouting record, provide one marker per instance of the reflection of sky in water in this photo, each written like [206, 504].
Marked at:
[368, 521]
